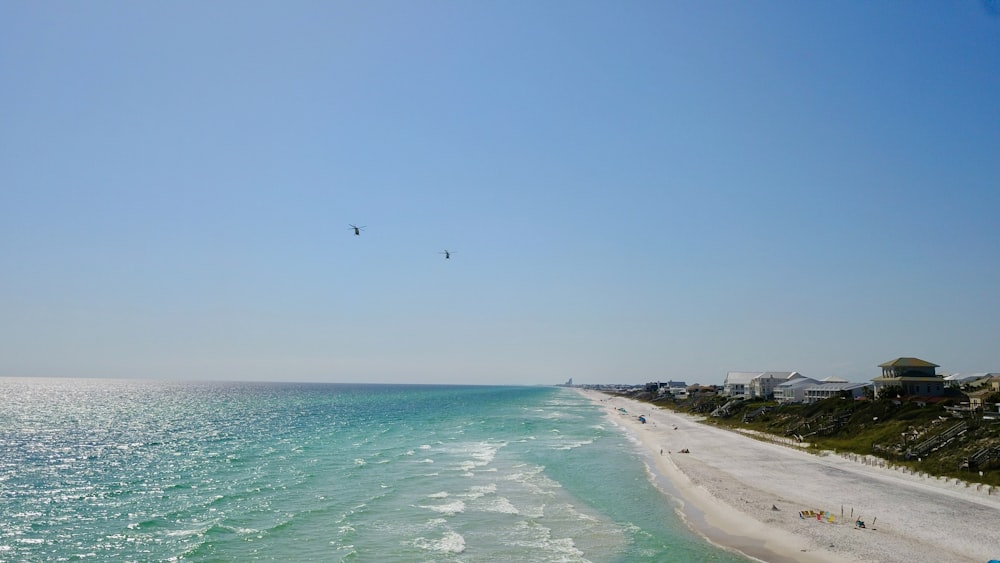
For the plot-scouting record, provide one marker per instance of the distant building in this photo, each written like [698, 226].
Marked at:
[970, 379]
[808, 390]
[912, 376]
[755, 384]
[737, 383]
[793, 391]
[976, 397]
[763, 385]
[841, 388]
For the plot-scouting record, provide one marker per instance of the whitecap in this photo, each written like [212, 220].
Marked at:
[501, 505]
[186, 533]
[481, 491]
[450, 508]
[240, 530]
[450, 542]
[574, 445]
[31, 541]
[541, 538]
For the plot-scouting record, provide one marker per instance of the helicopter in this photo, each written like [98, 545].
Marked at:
[357, 230]
[447, 254]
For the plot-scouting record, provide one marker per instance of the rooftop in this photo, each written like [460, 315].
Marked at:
[908, 363]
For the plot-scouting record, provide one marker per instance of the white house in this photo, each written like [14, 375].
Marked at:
[793, 391]
[972, 379]
[833, 379]
[828, 389]
[737, 383]
[755, 384]
[763, 385]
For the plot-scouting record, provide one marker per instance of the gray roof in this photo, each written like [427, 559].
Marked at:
[745, 377]
[966, 377]
[738, 377]
[801, 382]
[786, 375]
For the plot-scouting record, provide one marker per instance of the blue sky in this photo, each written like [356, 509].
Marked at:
[632, 191]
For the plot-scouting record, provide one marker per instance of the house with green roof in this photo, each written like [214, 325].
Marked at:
[910, 377]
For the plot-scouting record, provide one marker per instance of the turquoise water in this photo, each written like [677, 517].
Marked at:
[159, 471]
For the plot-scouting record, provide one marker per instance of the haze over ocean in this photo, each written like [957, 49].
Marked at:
[143, 470]
[631, 191]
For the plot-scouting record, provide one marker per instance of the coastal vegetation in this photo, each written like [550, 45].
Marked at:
[940, 437]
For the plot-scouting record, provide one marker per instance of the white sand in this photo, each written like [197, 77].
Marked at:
[729, 485]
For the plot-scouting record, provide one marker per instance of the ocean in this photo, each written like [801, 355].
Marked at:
[112, 470]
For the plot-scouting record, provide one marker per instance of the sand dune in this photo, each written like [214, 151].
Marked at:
[747, 494]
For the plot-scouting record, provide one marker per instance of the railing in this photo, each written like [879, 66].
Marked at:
[928, 444]
[750, 416]
[981, 458]
[726, 409]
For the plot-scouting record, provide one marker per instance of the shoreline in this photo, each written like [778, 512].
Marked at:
[746, 495]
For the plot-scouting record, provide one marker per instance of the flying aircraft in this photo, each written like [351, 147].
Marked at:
[447, 255]
[357, 230]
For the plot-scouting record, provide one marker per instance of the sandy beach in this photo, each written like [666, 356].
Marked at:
[747, 495]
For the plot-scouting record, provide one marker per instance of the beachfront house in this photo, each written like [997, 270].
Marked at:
[755, 384]
[677, 389]
[737, 384]
[840, 388]
[909, 376]
[808, 390]
[976, 398]
[967, 380]
[793, 391]
[763, 385]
